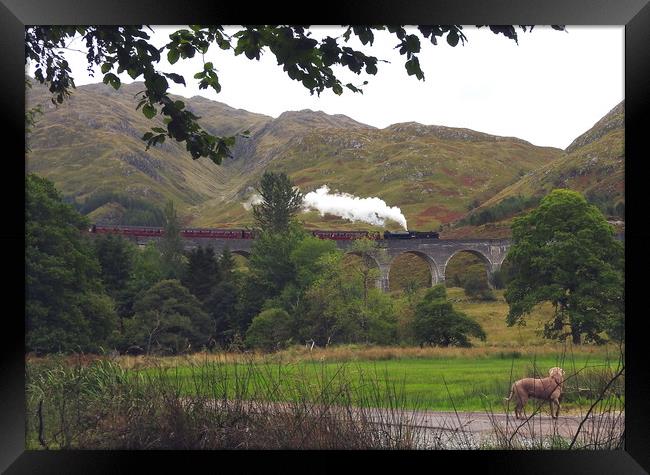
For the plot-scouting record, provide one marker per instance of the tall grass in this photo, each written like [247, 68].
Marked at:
[252, 403]
[103, 406]
[343, 354]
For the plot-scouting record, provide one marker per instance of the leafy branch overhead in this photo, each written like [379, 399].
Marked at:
[119, 49]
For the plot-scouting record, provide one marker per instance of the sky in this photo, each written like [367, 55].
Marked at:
[548, 89]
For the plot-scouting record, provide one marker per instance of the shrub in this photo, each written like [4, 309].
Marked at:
[437, 323]
[168, 319]
[270, 330]
[478, 289]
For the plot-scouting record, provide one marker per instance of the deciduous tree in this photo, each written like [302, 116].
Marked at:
[67, 308]
[564, 252]
[168, 319]
[270, 330]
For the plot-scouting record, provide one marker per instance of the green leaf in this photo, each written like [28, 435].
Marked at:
[452, 38]
[106, 67]
[160, 85]
[113, 80]
[149, 111]
[173, 55]
[413, 68]
[177, 78]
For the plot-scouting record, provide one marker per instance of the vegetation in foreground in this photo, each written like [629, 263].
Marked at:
[99, 403]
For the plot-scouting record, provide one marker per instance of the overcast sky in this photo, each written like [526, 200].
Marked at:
[549, 89]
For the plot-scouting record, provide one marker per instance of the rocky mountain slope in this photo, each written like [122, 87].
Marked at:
[435, 174]
[593, 164]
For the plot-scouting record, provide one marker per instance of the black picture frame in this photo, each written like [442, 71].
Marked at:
[634, 14]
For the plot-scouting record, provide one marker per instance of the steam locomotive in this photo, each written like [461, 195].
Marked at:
[148, 231]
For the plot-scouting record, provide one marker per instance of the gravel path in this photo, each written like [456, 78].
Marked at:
[438, 429]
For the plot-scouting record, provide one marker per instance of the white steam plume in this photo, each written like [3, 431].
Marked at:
[254, 199]
[369, 210]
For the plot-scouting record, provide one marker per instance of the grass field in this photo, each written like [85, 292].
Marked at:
[464, 383]
[433, 378]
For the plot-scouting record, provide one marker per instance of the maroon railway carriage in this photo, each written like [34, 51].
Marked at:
[213, 233]
[147, 231]
[127, 230]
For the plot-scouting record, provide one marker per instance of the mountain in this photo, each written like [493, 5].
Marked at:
[91, 143]
[431, 173]
[435, 174]
[593, 164]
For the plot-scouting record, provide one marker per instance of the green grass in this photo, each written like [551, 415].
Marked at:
[463, 383]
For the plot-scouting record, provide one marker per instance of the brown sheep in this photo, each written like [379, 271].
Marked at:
[547, 389]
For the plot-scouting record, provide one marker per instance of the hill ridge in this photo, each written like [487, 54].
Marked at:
[435, 174]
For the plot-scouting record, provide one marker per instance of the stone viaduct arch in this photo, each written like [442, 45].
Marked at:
[437, 253]
[434, 271]
[490, 267]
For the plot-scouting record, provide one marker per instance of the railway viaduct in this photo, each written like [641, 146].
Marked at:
[436, 252]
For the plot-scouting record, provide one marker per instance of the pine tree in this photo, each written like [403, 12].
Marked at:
[171, 244]
[280, 202]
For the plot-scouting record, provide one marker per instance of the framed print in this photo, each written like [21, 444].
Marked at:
[294, 257]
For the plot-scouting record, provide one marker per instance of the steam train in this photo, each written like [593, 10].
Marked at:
[148, 231]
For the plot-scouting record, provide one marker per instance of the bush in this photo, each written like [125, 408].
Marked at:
[437, 323]
[270, 330]
[478, 289]
[168, 319]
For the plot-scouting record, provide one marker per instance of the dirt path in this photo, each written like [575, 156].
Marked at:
[439, 429]
[598, 428]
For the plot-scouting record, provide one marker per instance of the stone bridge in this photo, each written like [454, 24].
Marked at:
[436, 252]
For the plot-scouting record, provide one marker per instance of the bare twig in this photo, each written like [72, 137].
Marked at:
[598, 399]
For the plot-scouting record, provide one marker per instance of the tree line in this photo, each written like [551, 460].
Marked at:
[101, 293]
[104, 293]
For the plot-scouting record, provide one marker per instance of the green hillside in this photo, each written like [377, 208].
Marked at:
[91, 143]
[432, 173]
[594, 165]
[435, 174]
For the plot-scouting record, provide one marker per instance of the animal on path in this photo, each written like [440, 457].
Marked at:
[547, 389]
